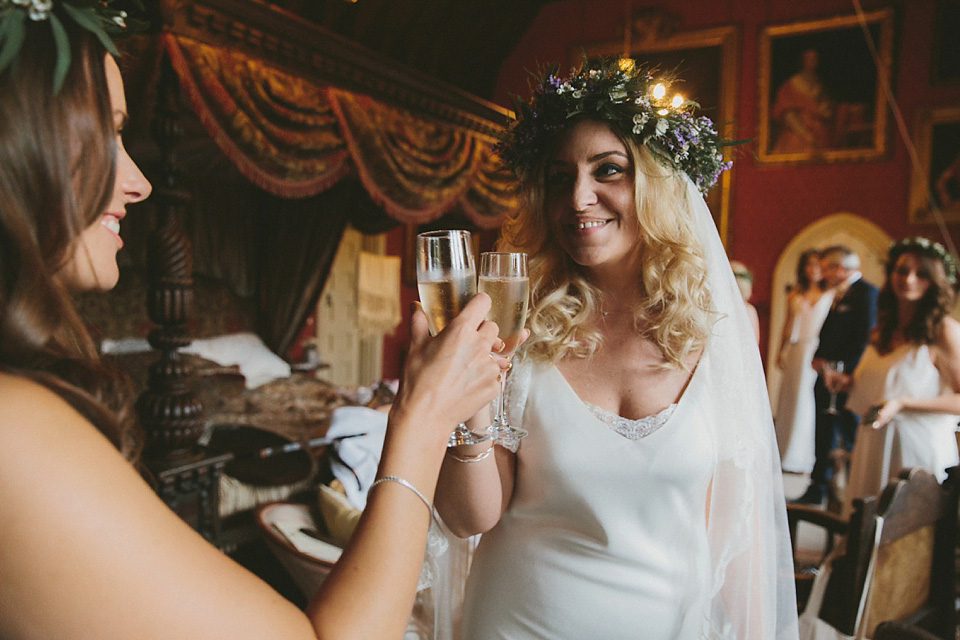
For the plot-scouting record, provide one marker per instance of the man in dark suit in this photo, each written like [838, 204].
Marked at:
[843, 339]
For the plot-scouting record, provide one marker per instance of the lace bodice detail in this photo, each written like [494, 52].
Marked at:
[632, 429]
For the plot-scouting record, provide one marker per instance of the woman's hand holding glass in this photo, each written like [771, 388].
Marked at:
[447, 280]
[451, 375]
[503, 276]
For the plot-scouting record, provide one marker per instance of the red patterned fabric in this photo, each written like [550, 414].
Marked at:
[295, 138]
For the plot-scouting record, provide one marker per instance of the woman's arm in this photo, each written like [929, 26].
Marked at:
[787, 330]
[945, 353]
[87, 550]
[445, 381]
[472, 496]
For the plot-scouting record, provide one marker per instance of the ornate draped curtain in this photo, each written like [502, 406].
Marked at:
[295, 139]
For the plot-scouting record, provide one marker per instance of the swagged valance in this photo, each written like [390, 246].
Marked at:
[294, 138]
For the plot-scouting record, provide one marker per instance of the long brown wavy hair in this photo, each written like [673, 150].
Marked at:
[57, 169]
[931, 308]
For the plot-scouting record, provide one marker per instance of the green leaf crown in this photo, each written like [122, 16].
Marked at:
[96, 16]
[632, 101]
[925, 247]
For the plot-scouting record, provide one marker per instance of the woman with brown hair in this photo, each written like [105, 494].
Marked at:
[906, 386]
[795, 415]
[87, 550]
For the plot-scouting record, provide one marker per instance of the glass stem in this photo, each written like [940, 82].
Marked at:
[501, 418]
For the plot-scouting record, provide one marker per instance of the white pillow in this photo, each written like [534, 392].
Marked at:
[257, 363]
[125, 345]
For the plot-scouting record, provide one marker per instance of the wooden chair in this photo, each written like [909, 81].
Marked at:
[897, 560]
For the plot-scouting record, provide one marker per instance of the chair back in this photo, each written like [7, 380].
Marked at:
[902, 562]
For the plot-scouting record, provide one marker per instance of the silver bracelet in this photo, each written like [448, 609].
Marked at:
[476, 458]
[406, 484]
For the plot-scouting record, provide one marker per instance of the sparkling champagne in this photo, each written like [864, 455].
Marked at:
[442, 299]
[509, 308]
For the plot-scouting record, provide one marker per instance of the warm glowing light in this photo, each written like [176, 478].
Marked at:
[663, 112]
[626, 64]
[677, 101]
[659, 91]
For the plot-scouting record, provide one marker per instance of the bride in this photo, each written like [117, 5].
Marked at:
[646, 499]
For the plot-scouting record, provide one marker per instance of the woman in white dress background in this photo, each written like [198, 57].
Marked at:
[646, 500]
[795, 416]
[909, 377]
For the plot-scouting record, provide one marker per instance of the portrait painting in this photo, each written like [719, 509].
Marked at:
[935, 188]
[704, 63]
[821, 89]
[946, 52]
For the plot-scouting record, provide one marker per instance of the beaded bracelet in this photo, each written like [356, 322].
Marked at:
[406, 484]
[467, 458]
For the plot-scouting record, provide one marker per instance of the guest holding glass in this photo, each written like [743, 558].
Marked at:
[87, 549]
[646, 499]
[843, 337]
[907, 385]
[807, 306]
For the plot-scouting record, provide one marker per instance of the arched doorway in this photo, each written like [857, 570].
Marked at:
[868, 240]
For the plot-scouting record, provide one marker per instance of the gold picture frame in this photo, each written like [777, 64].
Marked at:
[706, 61]
[821, 90]
[936, 185]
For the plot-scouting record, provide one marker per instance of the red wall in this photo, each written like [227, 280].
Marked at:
[769, 204]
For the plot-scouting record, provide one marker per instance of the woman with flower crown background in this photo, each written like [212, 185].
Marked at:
[646, 500]
[908, 379]
[87, 549]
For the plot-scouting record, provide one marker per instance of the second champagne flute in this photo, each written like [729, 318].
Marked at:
[503, 277]
[447, 280]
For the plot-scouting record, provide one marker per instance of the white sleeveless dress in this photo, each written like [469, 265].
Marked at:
[911, 438]
[605, 536]
[795, 416]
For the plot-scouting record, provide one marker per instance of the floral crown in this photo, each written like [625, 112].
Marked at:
[96, 16]
[633, 102]
[929, 248]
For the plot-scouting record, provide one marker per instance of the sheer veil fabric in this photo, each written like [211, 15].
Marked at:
[752, 590]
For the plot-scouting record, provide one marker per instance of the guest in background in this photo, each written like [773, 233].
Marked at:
[843, 337]
[745, 283]
[87, 549]
[646, 500]
[909, 374]
[795, 416]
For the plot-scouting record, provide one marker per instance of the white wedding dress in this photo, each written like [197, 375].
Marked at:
[911, 438]
[606, 535]
[795, 416]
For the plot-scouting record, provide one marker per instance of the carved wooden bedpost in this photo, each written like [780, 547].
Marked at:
[170, 410]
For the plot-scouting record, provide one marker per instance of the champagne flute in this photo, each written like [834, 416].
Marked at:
[503, 277]
[447, 280]
[833, 365]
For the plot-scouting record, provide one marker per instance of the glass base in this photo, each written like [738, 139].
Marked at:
[502, 432]
[461, 435]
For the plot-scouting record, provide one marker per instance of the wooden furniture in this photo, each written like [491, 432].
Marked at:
[897, 560]
[807, 562]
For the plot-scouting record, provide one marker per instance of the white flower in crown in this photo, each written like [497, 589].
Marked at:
[662, 126]
[37, 9]
[617, 95]
[639, 120]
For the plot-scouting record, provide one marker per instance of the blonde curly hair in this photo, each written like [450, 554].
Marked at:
[675, 312]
